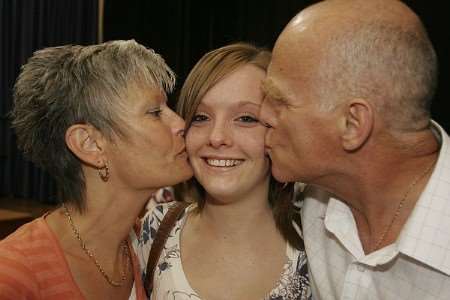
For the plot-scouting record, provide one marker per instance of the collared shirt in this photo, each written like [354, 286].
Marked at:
[416, 266]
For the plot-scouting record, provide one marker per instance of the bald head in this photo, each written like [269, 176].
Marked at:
[372, 49]
[334, 16]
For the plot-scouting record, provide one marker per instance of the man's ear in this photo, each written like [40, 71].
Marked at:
[86, 143]
[359, 122]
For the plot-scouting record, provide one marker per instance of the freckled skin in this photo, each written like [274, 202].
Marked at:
[227, 128]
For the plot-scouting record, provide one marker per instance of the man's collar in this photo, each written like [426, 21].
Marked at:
[426, 235]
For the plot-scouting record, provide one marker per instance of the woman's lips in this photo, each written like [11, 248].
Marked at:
[223, 162]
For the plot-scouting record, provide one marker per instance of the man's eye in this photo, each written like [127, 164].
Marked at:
[199, 118]
[248, 119]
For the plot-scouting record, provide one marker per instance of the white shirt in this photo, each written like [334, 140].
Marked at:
[416, 266]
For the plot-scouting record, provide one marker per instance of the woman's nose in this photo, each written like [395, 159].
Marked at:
[178, 125]
[220, 135]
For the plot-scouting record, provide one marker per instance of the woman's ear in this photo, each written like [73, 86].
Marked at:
[359, 122]
[86, 143]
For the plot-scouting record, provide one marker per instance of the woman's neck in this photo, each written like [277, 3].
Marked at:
[105, 222]
[235, 217]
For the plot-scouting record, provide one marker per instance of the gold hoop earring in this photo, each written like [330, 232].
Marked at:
[103, 172]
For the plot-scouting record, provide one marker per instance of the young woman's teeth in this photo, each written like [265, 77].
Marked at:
[223, 162]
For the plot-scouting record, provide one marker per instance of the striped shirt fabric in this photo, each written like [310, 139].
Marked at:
[33, 266]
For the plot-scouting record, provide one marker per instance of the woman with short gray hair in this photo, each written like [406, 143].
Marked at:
[95, 117]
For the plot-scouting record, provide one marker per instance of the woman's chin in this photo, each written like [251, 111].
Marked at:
[182, 173]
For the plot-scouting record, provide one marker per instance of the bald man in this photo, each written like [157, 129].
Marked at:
[347, 107]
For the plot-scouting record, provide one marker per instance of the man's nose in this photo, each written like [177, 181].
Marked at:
[266, 114]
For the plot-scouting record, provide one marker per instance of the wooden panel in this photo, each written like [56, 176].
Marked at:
[10, 220]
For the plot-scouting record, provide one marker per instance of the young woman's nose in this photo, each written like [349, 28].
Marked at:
[220, 135]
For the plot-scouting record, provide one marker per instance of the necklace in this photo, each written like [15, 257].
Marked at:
[399, 207]
[124, 247]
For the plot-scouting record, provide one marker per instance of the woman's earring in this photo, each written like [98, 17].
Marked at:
[103, 172]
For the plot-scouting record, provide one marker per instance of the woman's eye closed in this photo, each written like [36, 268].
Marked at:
[156, 112]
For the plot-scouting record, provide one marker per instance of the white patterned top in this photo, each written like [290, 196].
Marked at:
[170, 281]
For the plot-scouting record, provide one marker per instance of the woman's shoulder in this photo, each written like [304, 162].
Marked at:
[156, 209]
[17, 260]
[152, 219]
[294, 282]
[25, 237]
[148, 227]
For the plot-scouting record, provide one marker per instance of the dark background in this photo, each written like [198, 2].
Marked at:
[180, 30]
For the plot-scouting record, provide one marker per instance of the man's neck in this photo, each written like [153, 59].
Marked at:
[383, 186]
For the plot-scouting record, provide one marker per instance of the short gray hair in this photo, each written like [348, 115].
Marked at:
[62, 86]
[394, 65]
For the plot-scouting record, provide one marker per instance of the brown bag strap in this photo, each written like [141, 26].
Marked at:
[167, 223]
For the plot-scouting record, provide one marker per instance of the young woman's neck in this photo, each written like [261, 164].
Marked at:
[245, 214]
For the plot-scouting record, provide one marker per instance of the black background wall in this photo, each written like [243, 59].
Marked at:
[26, 26]
[181, 30]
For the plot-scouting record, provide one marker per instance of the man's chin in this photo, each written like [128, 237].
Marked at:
[281, 176]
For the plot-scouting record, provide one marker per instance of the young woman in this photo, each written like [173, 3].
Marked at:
[239, 237]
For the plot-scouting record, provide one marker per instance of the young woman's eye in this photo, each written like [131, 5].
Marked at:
[248, 119]
[155, 112]
[199, 118]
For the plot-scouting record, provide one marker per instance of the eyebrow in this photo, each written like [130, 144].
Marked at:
[271, 90]
[244, 103]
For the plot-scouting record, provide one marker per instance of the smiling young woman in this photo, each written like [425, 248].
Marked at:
[237, 206]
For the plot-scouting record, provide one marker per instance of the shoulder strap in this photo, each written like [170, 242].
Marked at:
[167, 223]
